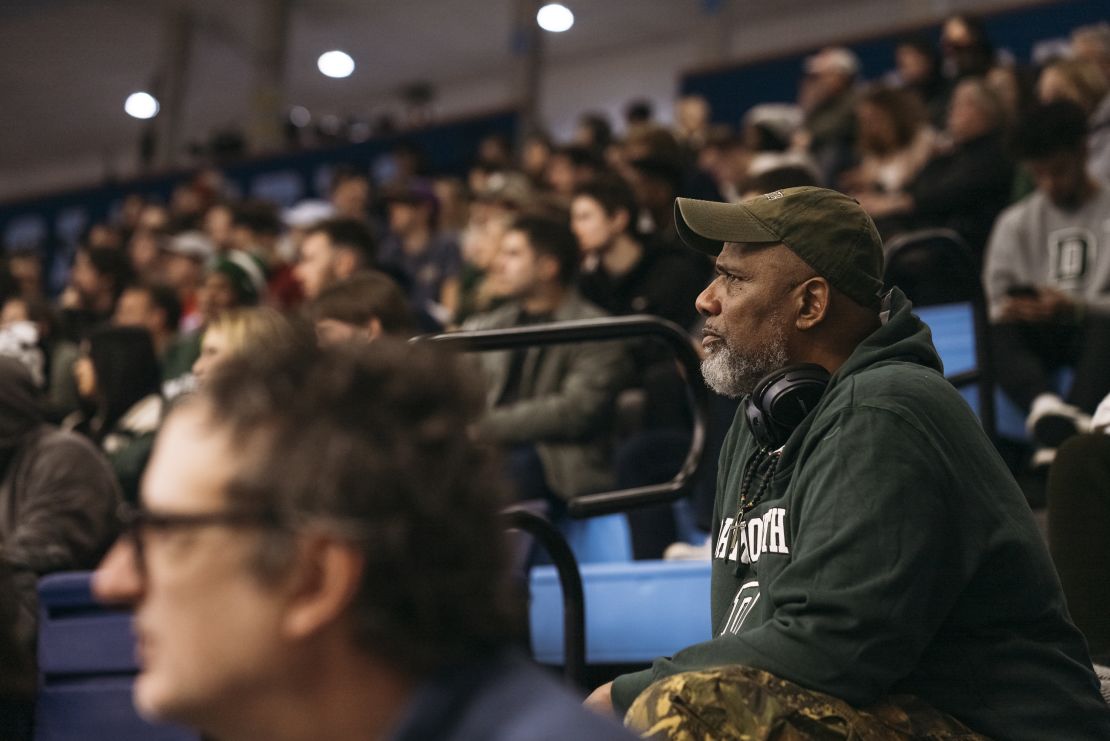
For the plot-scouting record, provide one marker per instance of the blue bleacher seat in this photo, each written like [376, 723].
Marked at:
[635, 611]
[86, 669]
[953, 328]
[604, 539]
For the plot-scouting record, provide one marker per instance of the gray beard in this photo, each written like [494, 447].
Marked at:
[733, 374]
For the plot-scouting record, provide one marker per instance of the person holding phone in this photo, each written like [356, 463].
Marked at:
[1047, 278]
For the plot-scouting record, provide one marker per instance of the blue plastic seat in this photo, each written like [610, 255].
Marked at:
[635, 611]
[86, 669]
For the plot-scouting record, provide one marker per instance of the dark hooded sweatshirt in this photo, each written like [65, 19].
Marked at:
[58, 500]
[893, 553]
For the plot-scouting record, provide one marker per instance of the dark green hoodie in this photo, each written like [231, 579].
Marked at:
[894, 553]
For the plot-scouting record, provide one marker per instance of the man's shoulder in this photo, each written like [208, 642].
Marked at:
[58, 453]
[907, 388]
[50, 441]
[1016, 215]
[576, 306]
[503, 316]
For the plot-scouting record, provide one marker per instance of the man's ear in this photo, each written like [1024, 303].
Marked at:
[324, 584]
[373, 328]
[813, 302]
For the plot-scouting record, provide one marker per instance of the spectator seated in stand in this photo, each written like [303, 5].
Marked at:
[182, 262]
[96, 281]
[58, 502]
[964, 185]
[622, 272]
[827, 95]
[894, 141]
[416, 248]
[1048, 281]
[119, 382]
[550, 407]
[918, 72]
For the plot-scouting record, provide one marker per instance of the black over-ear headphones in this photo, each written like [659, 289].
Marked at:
[782, 400]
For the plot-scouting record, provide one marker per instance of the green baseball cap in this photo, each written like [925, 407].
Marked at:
[828, 230]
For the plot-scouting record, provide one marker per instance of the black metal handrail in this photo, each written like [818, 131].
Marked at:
[570, 581]
[599, 330]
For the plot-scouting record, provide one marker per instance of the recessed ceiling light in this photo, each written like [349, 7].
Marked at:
[555, 18]
[141, 105]
[336, 64]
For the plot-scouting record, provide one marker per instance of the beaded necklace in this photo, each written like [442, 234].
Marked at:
[748, 499]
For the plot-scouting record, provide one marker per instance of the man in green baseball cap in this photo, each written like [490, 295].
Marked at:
[876, 570]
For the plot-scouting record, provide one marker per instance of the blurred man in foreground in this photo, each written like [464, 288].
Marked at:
[317, 557]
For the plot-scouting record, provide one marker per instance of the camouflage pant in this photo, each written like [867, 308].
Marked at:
[744, 704]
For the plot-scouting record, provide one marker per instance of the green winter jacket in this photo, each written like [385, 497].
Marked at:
[893, 553]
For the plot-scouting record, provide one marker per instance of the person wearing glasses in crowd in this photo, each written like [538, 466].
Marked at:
[316, 556]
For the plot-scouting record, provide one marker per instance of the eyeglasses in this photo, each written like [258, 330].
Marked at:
[137, 521]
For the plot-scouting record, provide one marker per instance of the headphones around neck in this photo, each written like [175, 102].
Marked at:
[781, 400]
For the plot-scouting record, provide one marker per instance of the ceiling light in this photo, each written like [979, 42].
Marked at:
[141, 105]
[555, 18]
[336, 64]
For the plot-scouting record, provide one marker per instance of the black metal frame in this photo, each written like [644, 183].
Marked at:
[600, 330]
[983, 374]
[570, 581]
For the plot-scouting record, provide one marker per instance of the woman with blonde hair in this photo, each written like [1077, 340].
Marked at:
[244, 331]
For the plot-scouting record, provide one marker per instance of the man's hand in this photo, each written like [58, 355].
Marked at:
[1045, 305]
[601, 700]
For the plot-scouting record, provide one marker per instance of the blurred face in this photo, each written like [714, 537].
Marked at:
[821, 83]
[315, 270]
[208, 632]
[913, 66]
[483, 235]
[215, 348]
[405, 217]
[27, 271]
[85, 376]
[560, 175]
[144, 254]
[745, 333]
[1052, 85]
[876, 129]
[1062, 177]
[181, 272]
[218, 295]
[217, 225]
[533, 159]
[351, 197]
[153, 218]
[594, 228]
[134, 309]
[956, 34]
[516, 270]
[15, 310]
[84, 277]
[692, 113]
[967, 117]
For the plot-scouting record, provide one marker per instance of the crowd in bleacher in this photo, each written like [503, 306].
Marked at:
[164, 293]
